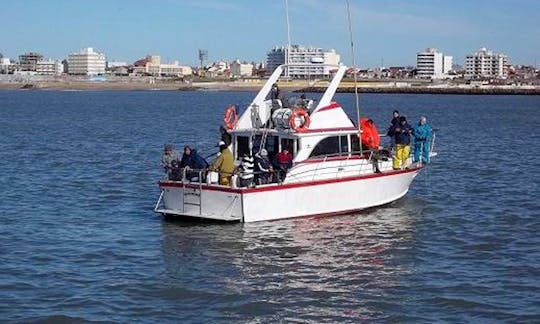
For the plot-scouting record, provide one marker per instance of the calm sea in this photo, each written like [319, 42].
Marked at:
[79, 241]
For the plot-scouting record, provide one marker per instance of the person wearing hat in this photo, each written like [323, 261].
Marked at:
[263, 168]
[169, 160]
[223, 164]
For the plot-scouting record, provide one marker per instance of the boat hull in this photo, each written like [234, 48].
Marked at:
[273, 202]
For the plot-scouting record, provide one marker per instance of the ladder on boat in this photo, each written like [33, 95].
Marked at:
[192, 194]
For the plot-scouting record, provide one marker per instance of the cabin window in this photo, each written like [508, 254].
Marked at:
[355, 143]
[343, 144]
[242, 145]
[328, 146]
[272, 145]
[287, 143]
[334, 145]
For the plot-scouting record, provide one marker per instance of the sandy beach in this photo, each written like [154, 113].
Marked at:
[255, 85]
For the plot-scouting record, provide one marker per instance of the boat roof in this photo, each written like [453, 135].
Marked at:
[327, 116]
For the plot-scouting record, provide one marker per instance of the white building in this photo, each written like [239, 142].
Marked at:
[312, 59]
[115, 64]
[241, 69]
[485, 64]
[151, 65]
[86, 62]
[49, 67]
[431, 64]
[4, 64]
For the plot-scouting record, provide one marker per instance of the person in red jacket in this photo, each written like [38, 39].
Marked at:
[370, 136]
[282, 162]
[371, 141]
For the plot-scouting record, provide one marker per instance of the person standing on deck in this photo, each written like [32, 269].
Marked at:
[393, 123]
[223, 164]
[422, 134]
[246, 169]
[274, 92]
[402, 137]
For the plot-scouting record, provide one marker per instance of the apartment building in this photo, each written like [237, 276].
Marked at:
[28, 61]
[312, 61]
[86, 62]
[432, 64]
[485, 64]
[49, 67]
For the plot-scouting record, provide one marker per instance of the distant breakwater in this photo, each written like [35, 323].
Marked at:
[428, 90]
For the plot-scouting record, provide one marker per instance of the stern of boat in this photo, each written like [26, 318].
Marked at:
[213, 202]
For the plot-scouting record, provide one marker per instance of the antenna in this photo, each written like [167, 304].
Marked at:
[354, 70]
[203, 55]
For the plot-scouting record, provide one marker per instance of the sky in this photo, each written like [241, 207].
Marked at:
[385, 32]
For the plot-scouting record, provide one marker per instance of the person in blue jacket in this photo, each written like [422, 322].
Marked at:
[422, 134]
[191, 160]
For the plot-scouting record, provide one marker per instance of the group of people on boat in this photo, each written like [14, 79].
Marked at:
[402, 134]
[255, 169]
[258, 169]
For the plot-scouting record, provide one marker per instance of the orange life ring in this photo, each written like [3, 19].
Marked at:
[299, 113]
[230, 118]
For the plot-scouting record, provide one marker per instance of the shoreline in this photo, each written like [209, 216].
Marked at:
[255, 86]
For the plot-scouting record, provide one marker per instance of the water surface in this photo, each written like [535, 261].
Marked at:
[79, 241]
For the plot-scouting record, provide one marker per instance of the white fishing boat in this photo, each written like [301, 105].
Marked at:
[330, 173]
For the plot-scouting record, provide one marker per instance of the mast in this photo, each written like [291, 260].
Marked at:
[355, 75]
[288, 38]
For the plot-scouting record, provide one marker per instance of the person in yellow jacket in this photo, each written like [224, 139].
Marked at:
[224, 164]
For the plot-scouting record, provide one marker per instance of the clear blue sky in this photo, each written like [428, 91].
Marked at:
[389, 30]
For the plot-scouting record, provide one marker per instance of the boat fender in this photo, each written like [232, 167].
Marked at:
[231, 117]
[299, 114]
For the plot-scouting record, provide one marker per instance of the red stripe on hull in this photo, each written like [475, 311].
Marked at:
[176, 184]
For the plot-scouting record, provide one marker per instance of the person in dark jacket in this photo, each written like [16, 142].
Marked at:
[402, 137]
[225, 136]
[393, 123]
[191, 160]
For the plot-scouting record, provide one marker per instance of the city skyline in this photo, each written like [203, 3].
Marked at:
[387, 32]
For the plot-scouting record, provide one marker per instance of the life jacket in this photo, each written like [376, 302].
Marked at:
[370, 135]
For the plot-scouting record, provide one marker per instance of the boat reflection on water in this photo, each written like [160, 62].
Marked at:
[338, 267]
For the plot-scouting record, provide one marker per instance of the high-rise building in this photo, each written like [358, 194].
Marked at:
[431, 64]
[485, 64]
[28, 61]
[86, 62]
[312, 61]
